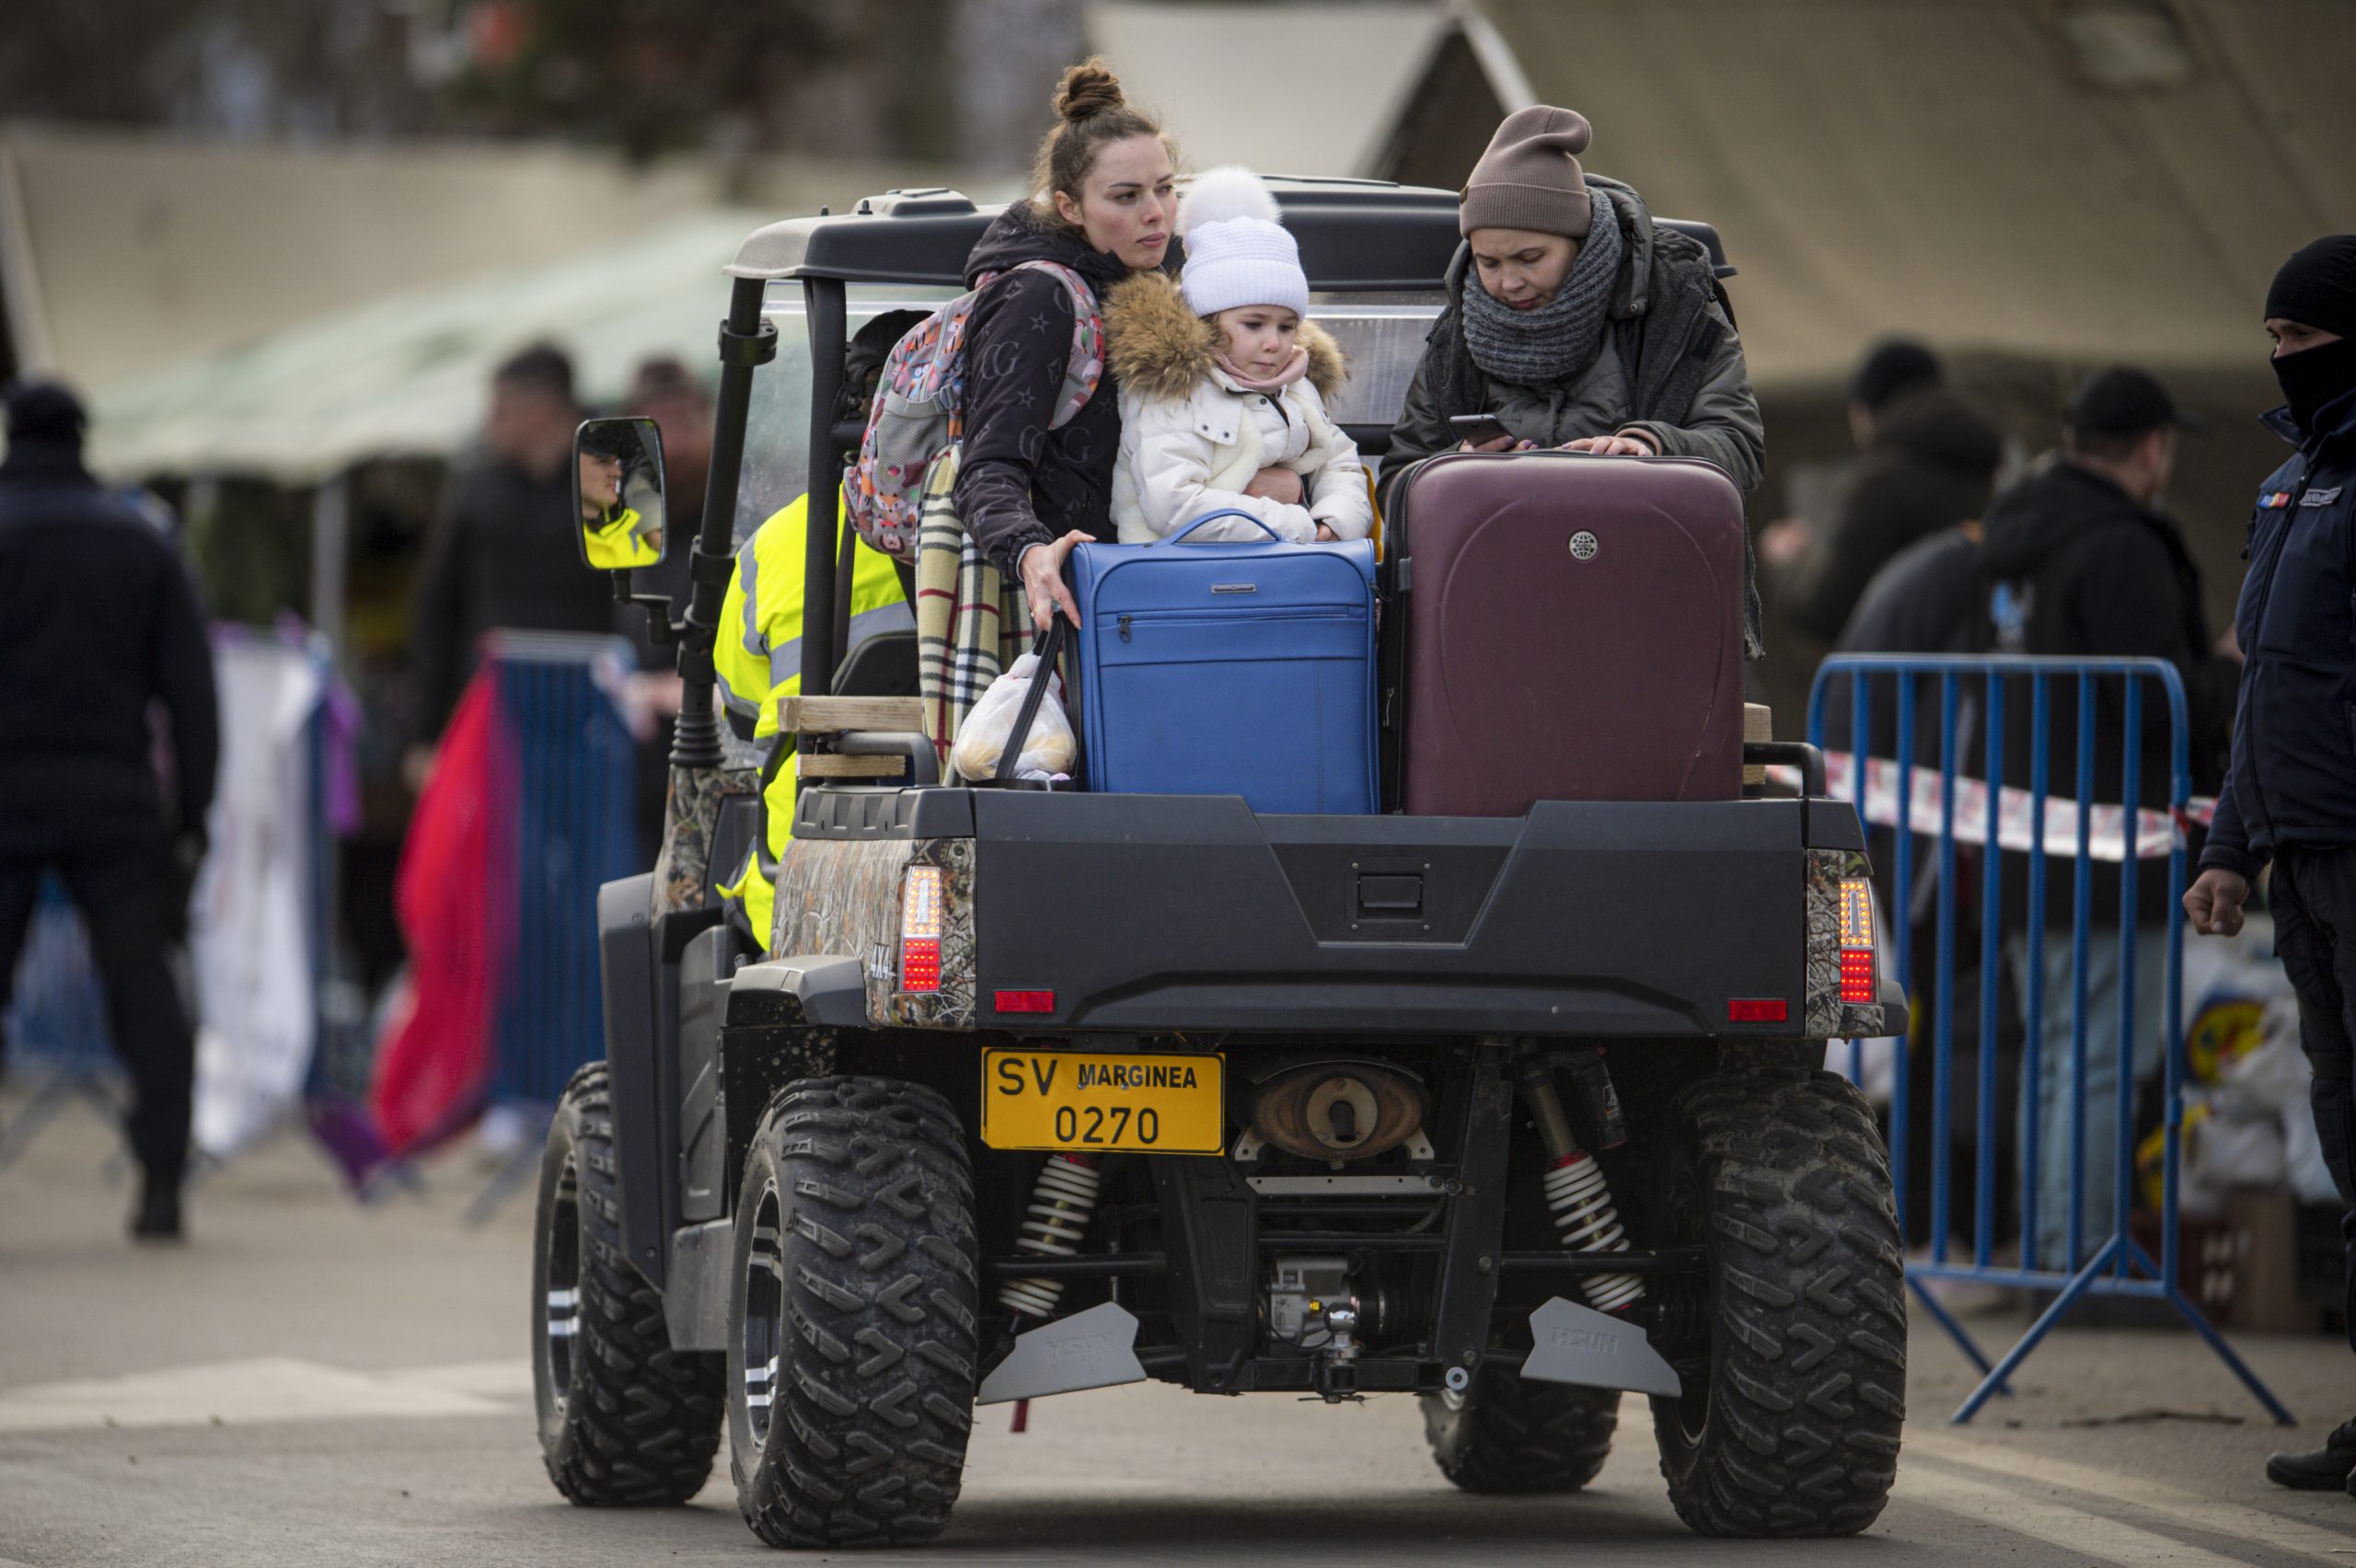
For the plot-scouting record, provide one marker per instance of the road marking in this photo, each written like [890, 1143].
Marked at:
[2077, 1530]
[2215, 1514]
[267, 1389]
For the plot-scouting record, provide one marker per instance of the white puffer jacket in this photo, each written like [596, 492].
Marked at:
[1191, 438]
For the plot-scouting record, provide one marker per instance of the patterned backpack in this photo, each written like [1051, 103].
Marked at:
[917, 414]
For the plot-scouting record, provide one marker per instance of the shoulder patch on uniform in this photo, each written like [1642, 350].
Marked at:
[2320, 497]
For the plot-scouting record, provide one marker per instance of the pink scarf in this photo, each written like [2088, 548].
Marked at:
[1295, 368]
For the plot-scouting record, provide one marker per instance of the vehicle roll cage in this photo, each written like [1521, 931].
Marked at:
[1359, 235]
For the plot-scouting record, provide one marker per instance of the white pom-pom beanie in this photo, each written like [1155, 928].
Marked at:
[1238, 250]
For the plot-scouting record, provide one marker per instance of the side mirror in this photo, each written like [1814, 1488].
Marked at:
[617, 493]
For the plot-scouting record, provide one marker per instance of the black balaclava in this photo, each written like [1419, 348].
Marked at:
[2318, 288]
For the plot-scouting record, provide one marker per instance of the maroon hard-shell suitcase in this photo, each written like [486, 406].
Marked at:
[1567, 628]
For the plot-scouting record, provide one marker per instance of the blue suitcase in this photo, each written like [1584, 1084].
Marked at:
[1229, 668]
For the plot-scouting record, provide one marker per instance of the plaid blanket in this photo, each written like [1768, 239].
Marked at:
[971, 623]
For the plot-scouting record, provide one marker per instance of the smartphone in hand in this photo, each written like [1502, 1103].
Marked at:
[1478, 429]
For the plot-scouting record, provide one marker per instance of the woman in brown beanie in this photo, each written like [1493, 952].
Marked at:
[1580, 324]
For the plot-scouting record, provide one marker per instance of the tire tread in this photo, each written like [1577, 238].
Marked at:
[1510, 1437]
[1808, 1393]
[641, 1422]
[867, 1440]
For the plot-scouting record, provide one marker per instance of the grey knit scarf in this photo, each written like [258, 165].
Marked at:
[1561, 338]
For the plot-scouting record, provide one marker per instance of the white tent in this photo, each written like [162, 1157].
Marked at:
[408, 374]
[122, 250]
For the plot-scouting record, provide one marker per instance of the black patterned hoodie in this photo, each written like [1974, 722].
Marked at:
[1020, 483]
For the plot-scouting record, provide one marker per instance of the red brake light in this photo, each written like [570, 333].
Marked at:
[1857, 983]
[1024, 1001]
[1756, 1009]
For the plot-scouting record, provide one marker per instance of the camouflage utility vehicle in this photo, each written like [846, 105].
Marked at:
[1027, 1091]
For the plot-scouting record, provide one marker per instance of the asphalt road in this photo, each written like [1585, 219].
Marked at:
[310, 1382]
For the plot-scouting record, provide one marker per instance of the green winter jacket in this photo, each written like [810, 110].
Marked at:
[1671, 366]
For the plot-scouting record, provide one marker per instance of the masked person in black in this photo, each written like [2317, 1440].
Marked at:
[98, 621]
[2291, 795]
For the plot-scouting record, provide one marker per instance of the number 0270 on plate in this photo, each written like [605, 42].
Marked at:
[1073, 1100]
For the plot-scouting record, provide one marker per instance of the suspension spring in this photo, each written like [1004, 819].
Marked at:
[1586, 1221]
[1061, 1205]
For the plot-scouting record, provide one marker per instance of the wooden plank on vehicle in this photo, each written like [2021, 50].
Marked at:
[825, 764]
[1758, 724]
[834, 715]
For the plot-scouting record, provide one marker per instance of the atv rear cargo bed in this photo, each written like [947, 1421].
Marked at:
[1161, 914]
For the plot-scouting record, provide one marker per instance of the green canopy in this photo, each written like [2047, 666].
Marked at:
[408, 375]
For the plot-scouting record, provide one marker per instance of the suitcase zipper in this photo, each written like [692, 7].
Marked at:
[1198, 618]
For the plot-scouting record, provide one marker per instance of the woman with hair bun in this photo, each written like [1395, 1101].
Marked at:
[1104, 200]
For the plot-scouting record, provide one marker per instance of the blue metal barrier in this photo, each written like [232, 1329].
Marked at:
[2118, 1265]
[56, 1014]
[574, 832]
[57, 1023]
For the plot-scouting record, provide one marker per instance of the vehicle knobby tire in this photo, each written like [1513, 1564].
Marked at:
[1503, 1435]
[1799, 1350]
[625, 1420]
[853, 1315]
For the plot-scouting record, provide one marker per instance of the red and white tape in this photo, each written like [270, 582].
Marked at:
[2156, 832]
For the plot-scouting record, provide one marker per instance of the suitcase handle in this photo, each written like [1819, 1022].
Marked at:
[1049, 647]
[1213, 517]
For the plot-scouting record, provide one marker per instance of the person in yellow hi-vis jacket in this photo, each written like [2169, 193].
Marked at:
[615, 533]
[758, 660]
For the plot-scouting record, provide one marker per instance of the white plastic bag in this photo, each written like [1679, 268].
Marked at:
[1049, 751]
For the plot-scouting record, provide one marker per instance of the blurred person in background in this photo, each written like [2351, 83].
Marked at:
[2291, 793]
[2080, 561]
[99, 623]
[663, 389]
[1927, 463]
[503, 554]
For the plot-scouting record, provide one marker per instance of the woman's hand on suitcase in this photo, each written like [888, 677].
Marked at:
[1041, 567]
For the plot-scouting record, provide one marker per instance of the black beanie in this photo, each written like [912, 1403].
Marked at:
[2317, 286]
[44, 411]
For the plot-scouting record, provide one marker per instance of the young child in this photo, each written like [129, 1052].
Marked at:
[1220, 379]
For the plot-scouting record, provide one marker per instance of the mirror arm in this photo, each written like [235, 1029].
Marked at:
[659, 628]
[747, 342]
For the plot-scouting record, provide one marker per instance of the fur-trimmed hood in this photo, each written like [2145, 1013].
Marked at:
[1163, 351]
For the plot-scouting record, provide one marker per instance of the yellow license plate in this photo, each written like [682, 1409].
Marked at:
[1074, 1100]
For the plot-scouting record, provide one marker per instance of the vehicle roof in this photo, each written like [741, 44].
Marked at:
[1354, 234]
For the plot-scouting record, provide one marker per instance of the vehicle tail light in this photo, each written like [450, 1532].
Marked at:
[1024, 1001]
[1858, 983]
[1756, 1009]
[921, 929]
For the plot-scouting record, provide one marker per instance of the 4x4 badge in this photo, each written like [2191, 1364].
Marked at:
[1583, 546]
